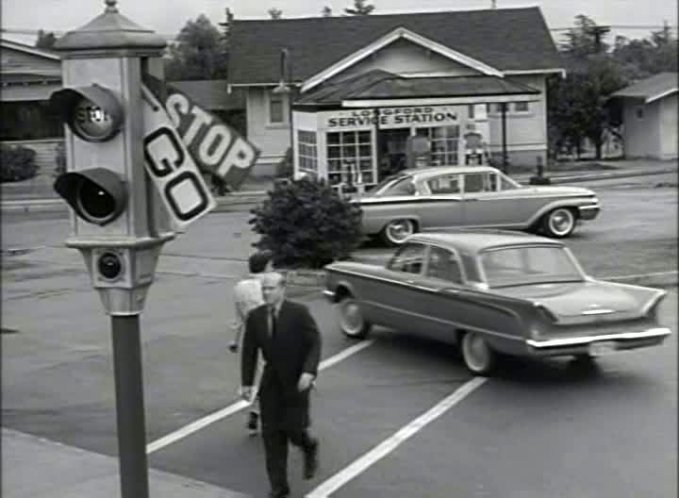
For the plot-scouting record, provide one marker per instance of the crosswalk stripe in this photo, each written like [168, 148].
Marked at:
[227, 411]
[325, 489]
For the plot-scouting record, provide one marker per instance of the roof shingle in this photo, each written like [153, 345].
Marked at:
[506, 39]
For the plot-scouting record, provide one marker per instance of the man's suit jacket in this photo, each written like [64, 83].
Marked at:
[295, 349]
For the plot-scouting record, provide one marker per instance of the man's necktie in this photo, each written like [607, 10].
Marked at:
[272, 321]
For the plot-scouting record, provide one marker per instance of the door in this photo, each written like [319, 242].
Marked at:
[441, 207]
[484, 204]
[392, 151]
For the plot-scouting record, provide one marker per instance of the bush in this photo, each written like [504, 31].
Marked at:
[284, 168]
[306, 224]
[17, 163]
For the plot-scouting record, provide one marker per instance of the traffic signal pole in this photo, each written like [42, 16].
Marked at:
[130, 418]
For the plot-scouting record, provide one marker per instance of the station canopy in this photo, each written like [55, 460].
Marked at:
[382, 88]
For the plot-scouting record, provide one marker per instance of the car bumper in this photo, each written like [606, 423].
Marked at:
[589, 212]
[597, 344]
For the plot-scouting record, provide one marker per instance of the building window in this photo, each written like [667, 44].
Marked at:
[277, 106]
[29, 120]
[443, 142]
[350, 157]
[470, 111]
[307, 152]
[521, 107]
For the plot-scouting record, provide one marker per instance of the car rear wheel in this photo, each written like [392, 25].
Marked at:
[559, 223]
[477, 354]
[351, 320]
[396, 231]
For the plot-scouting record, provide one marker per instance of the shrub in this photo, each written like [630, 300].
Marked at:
[17, 163]
[284, 168]
[306, 224]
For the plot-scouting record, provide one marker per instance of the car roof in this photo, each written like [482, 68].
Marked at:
[476, 240]
[442, 170]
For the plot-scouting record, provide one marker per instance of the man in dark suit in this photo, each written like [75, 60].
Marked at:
[288, 339]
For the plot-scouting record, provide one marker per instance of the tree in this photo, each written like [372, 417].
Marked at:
[306, 224]
[326, 12]
[200, 52]
[275, 13]
[45, 40]
[359, 9]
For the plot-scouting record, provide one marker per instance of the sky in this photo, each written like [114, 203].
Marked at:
[167, 17]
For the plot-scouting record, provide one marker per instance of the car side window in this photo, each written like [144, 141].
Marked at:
[444, 265]
[479, 182]
[408, 259]
[446, 184]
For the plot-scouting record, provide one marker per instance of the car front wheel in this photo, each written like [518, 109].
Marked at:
[477, 354]
[559, 223]
[396, 231]
[351, 320]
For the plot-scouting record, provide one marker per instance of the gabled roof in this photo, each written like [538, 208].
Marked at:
[653, 88]
[508, 40]
[212, 95]
[378, 85]
[39, 52]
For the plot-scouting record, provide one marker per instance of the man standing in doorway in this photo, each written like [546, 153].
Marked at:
[288, 338]
[247, 295]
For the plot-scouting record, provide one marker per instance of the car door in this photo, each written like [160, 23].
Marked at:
[440, 206]
[484, 204]
[397, 305]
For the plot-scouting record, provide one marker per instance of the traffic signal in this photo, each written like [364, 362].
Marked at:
[118, 223]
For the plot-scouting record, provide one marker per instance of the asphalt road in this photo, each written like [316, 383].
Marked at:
[537, 429]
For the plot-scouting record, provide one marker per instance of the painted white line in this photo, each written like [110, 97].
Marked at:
[325, 489]
[202, 423]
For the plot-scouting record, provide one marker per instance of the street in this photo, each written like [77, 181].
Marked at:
[536, 429]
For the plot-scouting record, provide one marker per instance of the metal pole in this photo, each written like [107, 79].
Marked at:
[505, 162]
[130, 406]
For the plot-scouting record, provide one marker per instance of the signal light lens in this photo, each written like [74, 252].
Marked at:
[110, 266]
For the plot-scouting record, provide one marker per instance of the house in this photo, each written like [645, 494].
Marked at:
[29, 75]
[373, 94]
[649, 117]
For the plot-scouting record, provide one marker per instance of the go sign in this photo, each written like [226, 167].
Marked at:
[173, 170]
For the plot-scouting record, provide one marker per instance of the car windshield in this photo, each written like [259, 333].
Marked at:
[528, 265]
[398, 184]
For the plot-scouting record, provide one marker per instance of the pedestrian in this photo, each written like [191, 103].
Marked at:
[287, 336]
[247, 295]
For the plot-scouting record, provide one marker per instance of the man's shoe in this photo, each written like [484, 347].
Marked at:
[311, 460]
[280, 494]
[253, 425]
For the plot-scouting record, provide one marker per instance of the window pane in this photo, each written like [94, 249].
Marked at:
[521, 106]
[364, 137]
[333, 138]
[349, 137]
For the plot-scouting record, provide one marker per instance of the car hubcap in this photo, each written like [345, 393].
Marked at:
[476, 353]
[561, 221]
[351, 317]
[399, 230]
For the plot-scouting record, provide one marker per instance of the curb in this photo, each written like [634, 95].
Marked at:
[240, 201]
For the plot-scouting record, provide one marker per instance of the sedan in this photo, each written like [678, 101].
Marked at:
[495, 291]
[445, 197]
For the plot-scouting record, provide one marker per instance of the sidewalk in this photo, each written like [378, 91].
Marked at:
[38, 194]
[65, 471]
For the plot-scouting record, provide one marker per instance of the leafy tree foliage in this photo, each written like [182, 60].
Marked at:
[45, 40]
[578, 106]
[200, 52]
[326, 12]
[275, 13]
[306, 224]
[360, 8]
